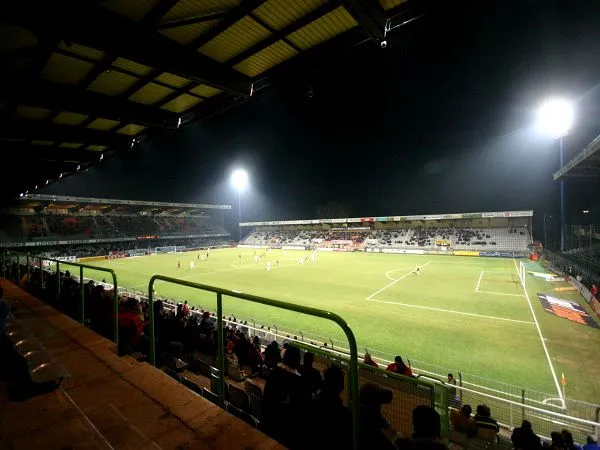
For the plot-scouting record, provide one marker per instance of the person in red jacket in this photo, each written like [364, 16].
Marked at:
[595, 290]
[399, 367]
[369, 360]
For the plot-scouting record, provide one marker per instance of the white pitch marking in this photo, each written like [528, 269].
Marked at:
[387, 274]
[451, 311]
[393, 282]
[479, 281]
[500, 293]
[537, 325]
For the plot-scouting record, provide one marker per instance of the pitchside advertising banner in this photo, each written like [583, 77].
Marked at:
[567, 310]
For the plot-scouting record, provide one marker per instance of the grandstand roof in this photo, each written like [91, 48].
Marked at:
[68, 202]
[585, 166]
[477, 215]
[85, 80]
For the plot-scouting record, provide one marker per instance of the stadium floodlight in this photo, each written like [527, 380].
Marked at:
[239, 180]
[555, 117]
[586, 211]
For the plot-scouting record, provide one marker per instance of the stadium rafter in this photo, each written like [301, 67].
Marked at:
[585, 166]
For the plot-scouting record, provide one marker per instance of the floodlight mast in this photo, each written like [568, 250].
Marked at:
[555, 119]
[239, 180]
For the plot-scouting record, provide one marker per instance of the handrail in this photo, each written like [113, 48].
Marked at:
[81, 292]
[353, 377]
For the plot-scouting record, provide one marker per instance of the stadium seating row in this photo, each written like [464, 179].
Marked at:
[499, 239]
[28, 227]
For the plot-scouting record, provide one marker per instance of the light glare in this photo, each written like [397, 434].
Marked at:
[555, 118]
[239, 179]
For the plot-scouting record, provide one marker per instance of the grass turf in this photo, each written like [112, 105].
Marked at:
[465, 314]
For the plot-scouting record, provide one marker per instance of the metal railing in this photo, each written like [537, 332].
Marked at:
[40, 259]
[353, 360]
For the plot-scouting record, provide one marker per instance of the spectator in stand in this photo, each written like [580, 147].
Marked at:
[591, 444]
[4, 312]
[331, 420]
[557, 442]
[185, 309]
[375, 432]
[453, 397]
[285, 399]
[131, 326]
[368, 360]
[523, 437]
[311, 376]
[272, 356]
[427, 430]
[486, 424]
[595, 290]
[568, 440]
[399, 367]
[462, 421]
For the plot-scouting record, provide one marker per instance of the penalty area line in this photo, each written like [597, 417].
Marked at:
[479, 281]
[393, 282]
[406, 305]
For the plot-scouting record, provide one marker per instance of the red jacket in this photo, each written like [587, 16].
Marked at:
[396, 369]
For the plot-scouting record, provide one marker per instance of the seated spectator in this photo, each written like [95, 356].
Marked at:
[368, 360]
[331, 420]
[462, 421]
[285, 400]
[311, 376]
[591, 444]
[523, 437]
[557, 442]
[375, 432]
[272, 356]
[568, 440]
[427, 430]
[399, 367]
[487, 427]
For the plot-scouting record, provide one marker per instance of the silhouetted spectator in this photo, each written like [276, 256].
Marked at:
[462, 421]
[311, 376]
[557, 442]
[568, 440]
[272, 356]
[453, 396]
[399, 367]
[523, 437]
[591, 444]
[426, 431]
[375, 432]
[285, 400]
[331, 420]
[487, 427]
[4, 312]
[368, 360]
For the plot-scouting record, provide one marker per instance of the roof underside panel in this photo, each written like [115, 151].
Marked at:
[71, 145]
[69, 118]
[131, 66]
[205, 91]
[65, 69]
[172, 80]
[265, 59]
[132, 9]
[328, 26]
[150, 94]
[14, 38]
[187, 33]
[81, 51]
[112, 83]
[280, 13]
[103, 124]
[240, 36]
[185, 9]
[32, 112]
[131, 129]
[181, 103]
[389, 4]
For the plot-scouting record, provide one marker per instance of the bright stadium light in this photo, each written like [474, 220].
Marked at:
[239, 180]
[555, 117]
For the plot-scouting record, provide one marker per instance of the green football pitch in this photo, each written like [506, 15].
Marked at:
[466, 314]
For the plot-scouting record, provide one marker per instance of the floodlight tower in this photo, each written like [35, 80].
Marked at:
[555, 118]
[239, 180]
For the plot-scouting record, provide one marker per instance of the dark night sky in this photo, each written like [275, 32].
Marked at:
[439, 121]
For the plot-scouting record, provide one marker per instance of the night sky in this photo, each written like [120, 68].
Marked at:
[439, 121]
